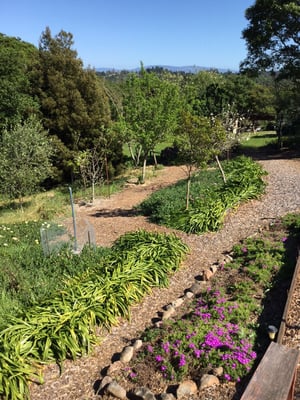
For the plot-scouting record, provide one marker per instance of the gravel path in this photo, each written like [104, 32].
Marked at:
[282, 196]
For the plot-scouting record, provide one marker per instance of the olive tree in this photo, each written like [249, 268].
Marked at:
[25, 160]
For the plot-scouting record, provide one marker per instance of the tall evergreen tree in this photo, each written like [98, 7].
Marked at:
[73, 102]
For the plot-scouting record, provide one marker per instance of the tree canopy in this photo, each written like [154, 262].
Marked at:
[16, 59]
[73, 102]
[198, 139]
[272, 37]
[82, 110]
[25, 158]
[151, 107]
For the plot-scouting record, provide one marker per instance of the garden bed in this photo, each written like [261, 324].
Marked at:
[79, 378]
[256, 281]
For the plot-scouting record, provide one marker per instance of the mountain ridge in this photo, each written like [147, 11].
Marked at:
[187, 68]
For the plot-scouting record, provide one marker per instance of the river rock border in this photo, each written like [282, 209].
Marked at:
[109, 385]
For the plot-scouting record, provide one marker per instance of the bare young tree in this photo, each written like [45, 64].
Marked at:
[91, 164]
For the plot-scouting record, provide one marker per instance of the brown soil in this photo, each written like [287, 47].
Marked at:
[114, 216]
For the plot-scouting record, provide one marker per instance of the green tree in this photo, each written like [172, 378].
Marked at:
[274, 45]
[272, 37]
[73, 102]
[251, 99]
[198, 140]
[16, 59]
[287, 101]
[150, 110]
[25, 158]
[195, 90]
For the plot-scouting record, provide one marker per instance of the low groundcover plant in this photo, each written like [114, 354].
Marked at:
[207, 337]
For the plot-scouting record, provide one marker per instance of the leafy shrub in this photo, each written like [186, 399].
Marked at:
[209, 201]
[167, 205]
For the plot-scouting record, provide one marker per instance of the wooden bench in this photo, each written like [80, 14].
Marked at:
[274, 378]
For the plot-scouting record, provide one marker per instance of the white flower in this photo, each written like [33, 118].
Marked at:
[5, 244]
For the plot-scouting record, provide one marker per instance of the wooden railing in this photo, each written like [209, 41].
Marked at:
[274, 378]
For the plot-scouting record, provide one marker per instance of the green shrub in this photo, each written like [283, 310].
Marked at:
[210, 197]
[244, 182]
[167, 205]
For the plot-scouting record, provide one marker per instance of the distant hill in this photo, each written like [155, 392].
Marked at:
[193, 69]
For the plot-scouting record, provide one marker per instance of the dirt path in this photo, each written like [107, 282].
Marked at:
[113, 217]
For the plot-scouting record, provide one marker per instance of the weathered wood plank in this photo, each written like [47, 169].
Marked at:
[275, 375]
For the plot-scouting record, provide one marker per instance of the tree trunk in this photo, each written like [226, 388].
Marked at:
[107, 176]
[188, 190]
[155, 160]
[93, 191]
[138, 156]
[144, 170]
[21, 201]
[279, 133]
[221, 169]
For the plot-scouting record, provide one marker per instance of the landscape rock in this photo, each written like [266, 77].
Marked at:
[218, 371]
[143, 393]
[196, 288]
[158, 324]
[116, 390]
[208, 380]
[137, 344]
[226, 259]
[105, 381]
[214, 268]
[168, 313]
[188, 294]
[127, 354]
[186, 388]
[178, 302]
[207, 274]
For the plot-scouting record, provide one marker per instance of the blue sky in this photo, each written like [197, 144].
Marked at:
[122, 33]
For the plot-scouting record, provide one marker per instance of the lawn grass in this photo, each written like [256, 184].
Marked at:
[52, 204]
[258, 140]
[158, 148]
[40, 206]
